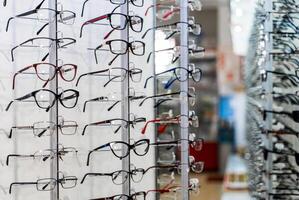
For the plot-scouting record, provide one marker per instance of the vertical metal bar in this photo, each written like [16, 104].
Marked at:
[268, 87]
[54, 141]
[125, 108]
[184, 62]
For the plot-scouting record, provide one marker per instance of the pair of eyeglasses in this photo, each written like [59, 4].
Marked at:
[115, 74]
[117, 21]
[43, 42]
[45, 99]
[192, 120]
[169, 9]
[49, 184]
[122, 149]
[46, 15]
[194, 73]
[112, 98]
[137, 3]
[47, 128]
[161, 98]
[175, 51]
[121, 47]
[293, 115]
[118, 122]
[193, 28]
[44, 155]
[47, 72]
[293, 154]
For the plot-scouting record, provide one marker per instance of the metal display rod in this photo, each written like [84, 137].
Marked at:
[268, 88]
[53, 58]
[125, 105]
[184, 62]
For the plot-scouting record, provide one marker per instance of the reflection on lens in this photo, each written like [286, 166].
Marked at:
[141, 147]
[196, 74]
[136, 23]
[119, 149]
[46, 184]
[68, 72]
[119, 177]
[67, 17]
[118, 47]
[45, 71]
[44, 99]
[118, 21]
[43, 128]
[69, 98]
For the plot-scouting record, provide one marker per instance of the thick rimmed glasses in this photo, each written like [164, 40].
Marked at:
[116, 122]
[117, 21]
[115, 74]
[46, 15]
[43, 42]
[47, 128]
[47, 72]
[122, 149]
[175, 72]
[121, 47]
[49, 184]
[137, 3]
[45, 99]
[44, 155]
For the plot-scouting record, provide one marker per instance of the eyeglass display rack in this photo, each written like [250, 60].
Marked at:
[272, 81]
[94, 93]
[176, 31]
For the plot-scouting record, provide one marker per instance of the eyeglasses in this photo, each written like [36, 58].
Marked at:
[45, 99]
[43, 42]
[47, 72]
[193, 28]
[161, 97]
[46, 15]
[44, 155]
[49, 184]
[118, 122]
[122, 149]
[138, 173]
[115, 74]
[113, 99]
[294, 114]
[193, 120]
[47, 128]
[168, 11]
[265, 72]
[194, 73]
[137, 3]
[135, 196]
[121, 47]
[176, 52]
[118, 21]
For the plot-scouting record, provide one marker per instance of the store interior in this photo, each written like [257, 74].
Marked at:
[149, 100]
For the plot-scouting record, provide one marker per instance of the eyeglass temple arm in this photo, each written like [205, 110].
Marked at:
[114, 104]
[110, 63]
[92, 21]
[169, 83]
[20, 183]
[4, 3]
[161, 101]
[94, 174]
[146, 81]
[90, 152]
[16, 155]
[83, 7]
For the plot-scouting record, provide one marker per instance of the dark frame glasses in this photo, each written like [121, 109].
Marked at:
[71, 94]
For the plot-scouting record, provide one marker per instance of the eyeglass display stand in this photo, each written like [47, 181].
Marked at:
[54, 141]
[125, 109]
[268, 88]
[184, 132]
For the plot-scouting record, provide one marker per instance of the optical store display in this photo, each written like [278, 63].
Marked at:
[272, 83]
[90, 111]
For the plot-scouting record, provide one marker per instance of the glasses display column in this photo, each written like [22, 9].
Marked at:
[272, 81]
